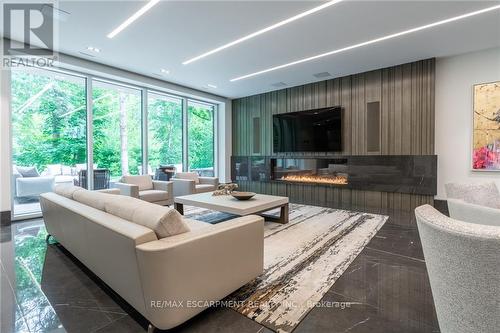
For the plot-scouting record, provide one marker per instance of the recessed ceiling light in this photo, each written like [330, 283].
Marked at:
[373, 41]
[165, 71]
[212, 86]
[93, 49]
[264, 30]
[132, 18]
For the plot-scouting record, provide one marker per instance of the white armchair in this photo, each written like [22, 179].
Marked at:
[144, 188]
[186, 183]
[462, 262]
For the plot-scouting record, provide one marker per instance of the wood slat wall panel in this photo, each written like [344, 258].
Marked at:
[406, 96]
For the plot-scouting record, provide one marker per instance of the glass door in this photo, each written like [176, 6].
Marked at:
[49, 141]
[117, 132]
[164, 132]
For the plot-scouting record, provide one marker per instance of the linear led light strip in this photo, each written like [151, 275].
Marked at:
[373, 41]
[260, 32]
[132, 18]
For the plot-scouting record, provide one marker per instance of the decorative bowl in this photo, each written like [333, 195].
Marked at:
[242, 195]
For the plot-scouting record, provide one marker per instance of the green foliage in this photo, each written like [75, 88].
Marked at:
[165, 132]
[200, 137]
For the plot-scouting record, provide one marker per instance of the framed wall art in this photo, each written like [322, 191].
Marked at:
[486, 127]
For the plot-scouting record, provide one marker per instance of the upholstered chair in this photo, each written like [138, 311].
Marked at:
[474, 203]
[462, 260]
[144, 188]
[190, 183]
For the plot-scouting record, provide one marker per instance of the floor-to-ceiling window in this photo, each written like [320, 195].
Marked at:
[201, 120]
[49, 121]
[164, 131]
[50, 133]
[116, 132]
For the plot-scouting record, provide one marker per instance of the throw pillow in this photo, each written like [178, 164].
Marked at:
[163, 221]
[28, 171]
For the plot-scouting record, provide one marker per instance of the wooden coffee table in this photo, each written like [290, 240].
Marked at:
[226, 203]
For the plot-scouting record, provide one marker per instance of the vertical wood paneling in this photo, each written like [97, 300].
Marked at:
[406, 96]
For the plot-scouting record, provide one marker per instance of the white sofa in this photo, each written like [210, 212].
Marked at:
[204, 264]
[31, 186]
[462, 260]
[145, 188]
[186, 183]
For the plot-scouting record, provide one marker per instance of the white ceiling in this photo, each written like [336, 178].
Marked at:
[174, 31]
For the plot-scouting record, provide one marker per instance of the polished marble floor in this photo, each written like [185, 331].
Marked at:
[44, 289]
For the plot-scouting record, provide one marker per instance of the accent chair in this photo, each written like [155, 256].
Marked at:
[462, 263]
[147, 189]
[186, 183]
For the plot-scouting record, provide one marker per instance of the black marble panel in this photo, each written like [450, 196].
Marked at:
[401, 174]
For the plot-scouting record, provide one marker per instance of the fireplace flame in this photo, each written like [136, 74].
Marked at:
[337, 180]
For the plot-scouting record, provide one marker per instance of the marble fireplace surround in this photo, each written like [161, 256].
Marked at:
[411, 174]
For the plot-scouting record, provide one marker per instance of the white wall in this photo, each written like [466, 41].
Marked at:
[455, 77]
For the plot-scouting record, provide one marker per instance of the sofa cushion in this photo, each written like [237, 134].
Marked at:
[144, 182]
[153, 195]
[93, 199]
[67, 190]
[188, 175]
[28, 171]
[122, 206]
[204, 188]
[163, 221]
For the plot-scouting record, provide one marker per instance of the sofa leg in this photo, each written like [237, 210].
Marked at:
[151, 328]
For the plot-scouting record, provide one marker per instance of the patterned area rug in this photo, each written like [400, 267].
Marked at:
[302, 260]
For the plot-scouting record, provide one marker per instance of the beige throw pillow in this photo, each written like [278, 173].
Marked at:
[163, 220]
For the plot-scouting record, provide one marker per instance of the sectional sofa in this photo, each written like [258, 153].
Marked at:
[169, 268]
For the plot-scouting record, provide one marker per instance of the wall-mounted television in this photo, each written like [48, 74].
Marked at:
[318, 130]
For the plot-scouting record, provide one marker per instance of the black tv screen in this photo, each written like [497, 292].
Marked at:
[317, 130]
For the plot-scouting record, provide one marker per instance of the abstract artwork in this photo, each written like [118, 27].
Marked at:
[486, 133]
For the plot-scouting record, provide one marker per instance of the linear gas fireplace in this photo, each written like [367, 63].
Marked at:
[312, 171]
[413, 174]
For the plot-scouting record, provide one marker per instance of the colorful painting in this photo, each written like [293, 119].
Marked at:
[486, 136]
